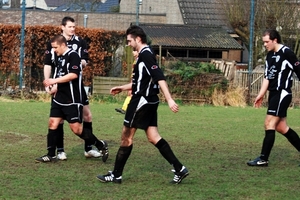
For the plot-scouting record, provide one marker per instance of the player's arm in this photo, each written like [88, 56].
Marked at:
[47, 71]
[84, 53]
[259, 98]
[63, 79]
[47, 75]
[118, 89]
[292, 58]
[165, 90]
[47, 64]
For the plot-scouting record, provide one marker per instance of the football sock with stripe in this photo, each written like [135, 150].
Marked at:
[51, 142]
[268, 143]
[293, 138]
[121, 159]
[166, 151]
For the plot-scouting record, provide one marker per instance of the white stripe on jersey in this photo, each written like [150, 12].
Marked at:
[141, 67]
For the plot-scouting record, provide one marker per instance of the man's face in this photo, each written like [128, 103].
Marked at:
[269, 44]
[58, 49]
[68, 29]
[131, 41]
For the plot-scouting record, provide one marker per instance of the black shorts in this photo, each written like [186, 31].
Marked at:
[141, 112]
[72, 113]
[279, 102]
[85, 100]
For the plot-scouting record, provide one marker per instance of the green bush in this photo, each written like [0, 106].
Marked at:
[189, 70]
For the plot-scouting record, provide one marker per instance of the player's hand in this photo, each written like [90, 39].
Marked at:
[48, 82]
[258, 101]
[47, 88]
[173, 106]
[115, 90]
[53, 89]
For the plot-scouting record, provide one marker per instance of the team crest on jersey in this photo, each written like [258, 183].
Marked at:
[74, 67]
[74, 46]
[277, 58]
[154, 67]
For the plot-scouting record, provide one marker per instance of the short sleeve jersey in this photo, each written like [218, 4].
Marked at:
[69, 92]
[76, 43]
[146, 74]
[280, 67]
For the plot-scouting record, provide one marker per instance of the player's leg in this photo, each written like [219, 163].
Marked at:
[126, 146]
[150, 121]
[277, 109]
[73, 116]
[61, 155]
[89, 152]
[51, 141]
[289, 133]
[121, 157]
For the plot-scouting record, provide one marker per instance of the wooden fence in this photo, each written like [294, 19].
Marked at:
[102, 85]
[227, 67]
[241, 79]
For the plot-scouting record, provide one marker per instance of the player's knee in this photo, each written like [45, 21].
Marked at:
[87, 115]
[52, 125]
[76, 129]
[87, 118]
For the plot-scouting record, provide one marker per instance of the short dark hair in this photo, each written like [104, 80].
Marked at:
[273, 34]
[66, 19]
[59, 39]
[137, 31]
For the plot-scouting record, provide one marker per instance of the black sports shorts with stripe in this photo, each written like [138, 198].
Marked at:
[72, 113]
[279, 102]
[142, 112]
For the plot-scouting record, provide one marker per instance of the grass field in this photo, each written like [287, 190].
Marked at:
[214, 143]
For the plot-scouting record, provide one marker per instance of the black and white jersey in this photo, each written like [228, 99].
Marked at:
[146, 74]
[280, 67]
[76, 43]
[70, 92]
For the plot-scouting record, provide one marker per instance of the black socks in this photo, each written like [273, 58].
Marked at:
[87, 145]
[166, 151]
[52, 142]
[293, 138]
[121, 159]
[267, 144]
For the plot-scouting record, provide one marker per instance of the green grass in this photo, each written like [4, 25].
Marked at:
[214, 143]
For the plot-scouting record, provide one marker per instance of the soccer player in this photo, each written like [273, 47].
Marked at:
[79, 45]
[281, 62]
[142, 109]
[66, 88]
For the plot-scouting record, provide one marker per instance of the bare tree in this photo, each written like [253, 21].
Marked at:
[86, 5]
[282, 15]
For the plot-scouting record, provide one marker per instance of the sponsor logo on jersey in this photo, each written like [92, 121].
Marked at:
[154, 67]
[85, 50]
[297, 63]
[74, 67]
[47, 52]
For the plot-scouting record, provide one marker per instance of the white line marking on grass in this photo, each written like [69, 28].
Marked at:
[25, 140]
